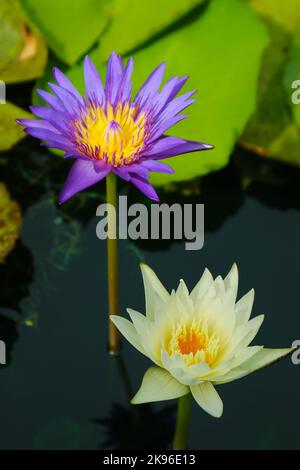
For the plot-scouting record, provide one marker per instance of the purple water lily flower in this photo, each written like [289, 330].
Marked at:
[106, 131]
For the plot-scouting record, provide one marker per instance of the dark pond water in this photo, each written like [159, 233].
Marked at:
[61, 390]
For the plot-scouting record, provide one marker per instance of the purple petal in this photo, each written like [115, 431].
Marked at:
[57, 144]
[177, 105]
[64, 82]
[169, 146]
[159, 167]
[124, 93]
[83, 174]
[150, 87]
[113, 77]
[169, 91]
[145, 187]
[93, 83]
[138, 169]
[77, 156]
[38, 123]
[58, 119]
[165, 142]
[47, 135]
[50, 99]
[177, 87]
[67, 99]
[122, 172]
[53, 139]
[161, 128]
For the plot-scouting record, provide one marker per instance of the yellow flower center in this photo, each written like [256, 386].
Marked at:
[115, 135]
[194, 342]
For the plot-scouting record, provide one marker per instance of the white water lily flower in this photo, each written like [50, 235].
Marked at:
[197, 340]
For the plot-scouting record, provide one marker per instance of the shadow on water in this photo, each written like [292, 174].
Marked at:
[16, 275]
[135, 427]
[152, 429]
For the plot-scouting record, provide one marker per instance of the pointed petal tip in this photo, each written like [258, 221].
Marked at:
[234, 270]
[135, 400]
[219, 414]
[56, 72]
[61, 200]
[114, 319]
[207, 272]
[145, 268]
[113, 55]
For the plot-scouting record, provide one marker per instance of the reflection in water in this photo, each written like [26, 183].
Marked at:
[16, 274]
[153, 430]
[271, 182]
[135, 427]
[8, 334]
[15, 277]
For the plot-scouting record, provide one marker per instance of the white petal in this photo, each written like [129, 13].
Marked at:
[202, 286]
[220, 288]
[235, 366]
[244, 355]
[261, 359]
[231, 376]
[148, 335]
[128, 331]
[182, 290]
[244, 334]
[183, 295]
[265, 357]
[187, 375]
[223, 368]
[208, 398]
[231, 281]
[139, 320]
[153, 290]
[243, 307]
[158, 385]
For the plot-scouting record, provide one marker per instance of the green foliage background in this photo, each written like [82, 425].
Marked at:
[241, 55]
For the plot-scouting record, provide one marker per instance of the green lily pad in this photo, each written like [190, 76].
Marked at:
[134, 22]
[272, 130]
[291, 75]
[70, 27]
[11, 32]
[10, 131]
[284, 13]
[30, 63]
[213, 55]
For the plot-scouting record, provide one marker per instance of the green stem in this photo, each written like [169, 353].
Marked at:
[182, 422]
[112, 261]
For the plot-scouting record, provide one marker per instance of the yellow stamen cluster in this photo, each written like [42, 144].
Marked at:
[192, 340]
[114, 134]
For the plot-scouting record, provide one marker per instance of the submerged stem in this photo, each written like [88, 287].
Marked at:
[182, 422]
[112, 261]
